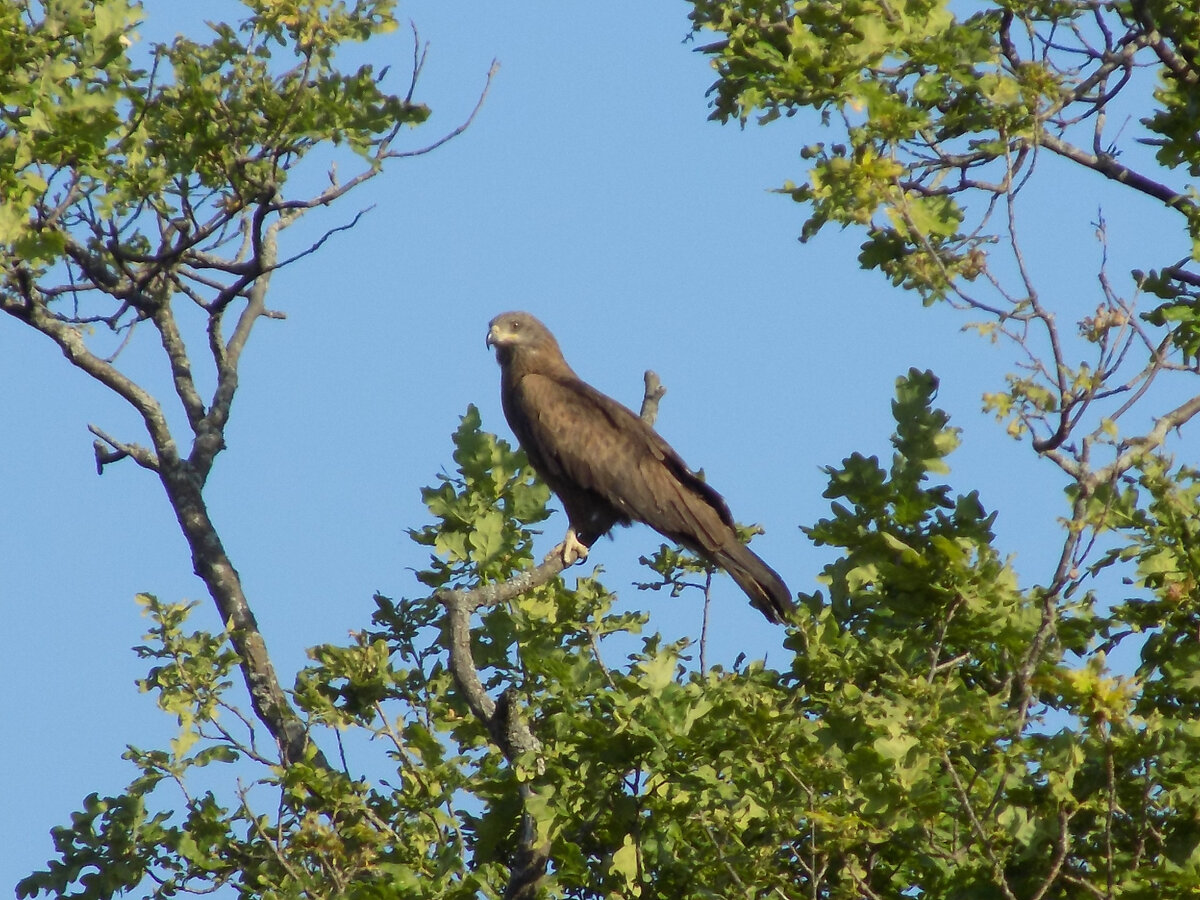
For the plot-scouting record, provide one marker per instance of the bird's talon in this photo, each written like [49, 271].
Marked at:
[571, 550]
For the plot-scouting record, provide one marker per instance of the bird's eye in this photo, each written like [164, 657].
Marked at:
[515, 324]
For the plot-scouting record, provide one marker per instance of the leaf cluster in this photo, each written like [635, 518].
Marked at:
[130, 174]
[934, 106]
[940, 116]
[484, 512]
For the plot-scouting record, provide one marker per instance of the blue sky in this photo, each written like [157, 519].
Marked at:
[591, 191]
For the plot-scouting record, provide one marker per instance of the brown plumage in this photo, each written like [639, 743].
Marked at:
[609, 467]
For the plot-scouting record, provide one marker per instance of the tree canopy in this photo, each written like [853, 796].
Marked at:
[938, 727]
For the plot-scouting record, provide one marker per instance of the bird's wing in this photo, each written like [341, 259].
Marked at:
[580, 437]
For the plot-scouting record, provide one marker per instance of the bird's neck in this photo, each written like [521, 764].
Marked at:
[519, 362]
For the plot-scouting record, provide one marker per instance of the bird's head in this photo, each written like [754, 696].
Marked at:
[520, 333]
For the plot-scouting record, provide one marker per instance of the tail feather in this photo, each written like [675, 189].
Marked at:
[762, 584]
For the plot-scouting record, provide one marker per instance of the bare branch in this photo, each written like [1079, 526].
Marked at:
[1182, 67]
[315, 246]
[594, 643]
[1108, 166]
[1137, 448]
[508, 730]
[418, 64]
[429, 148]
[181, 367]
[651, 397]
[1062, 845]
[120, 450]
[977, 828]
[70, 341]
[104, 456]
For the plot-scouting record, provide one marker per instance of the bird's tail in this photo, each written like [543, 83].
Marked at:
[762, 584]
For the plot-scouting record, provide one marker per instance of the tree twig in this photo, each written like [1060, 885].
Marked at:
[429, 148]
[120, 450]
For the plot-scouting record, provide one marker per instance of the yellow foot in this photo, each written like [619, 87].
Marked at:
[571, 550]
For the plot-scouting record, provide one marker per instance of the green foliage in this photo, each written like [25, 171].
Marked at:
[938, 114]
[939, 729]
[929, 733]
[1045, 773]
[893, 75]
[940, 111]
[483, 512]
[115, 158]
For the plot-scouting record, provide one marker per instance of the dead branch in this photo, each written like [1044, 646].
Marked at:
[651, 397]
[118, 450]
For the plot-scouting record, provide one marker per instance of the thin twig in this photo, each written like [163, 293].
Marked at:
[405, 154]
[977, 827]
[595, 645]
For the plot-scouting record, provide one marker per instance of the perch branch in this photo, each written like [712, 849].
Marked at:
[508, 729]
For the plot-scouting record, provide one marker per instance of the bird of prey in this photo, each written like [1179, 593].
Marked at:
[609, 467]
